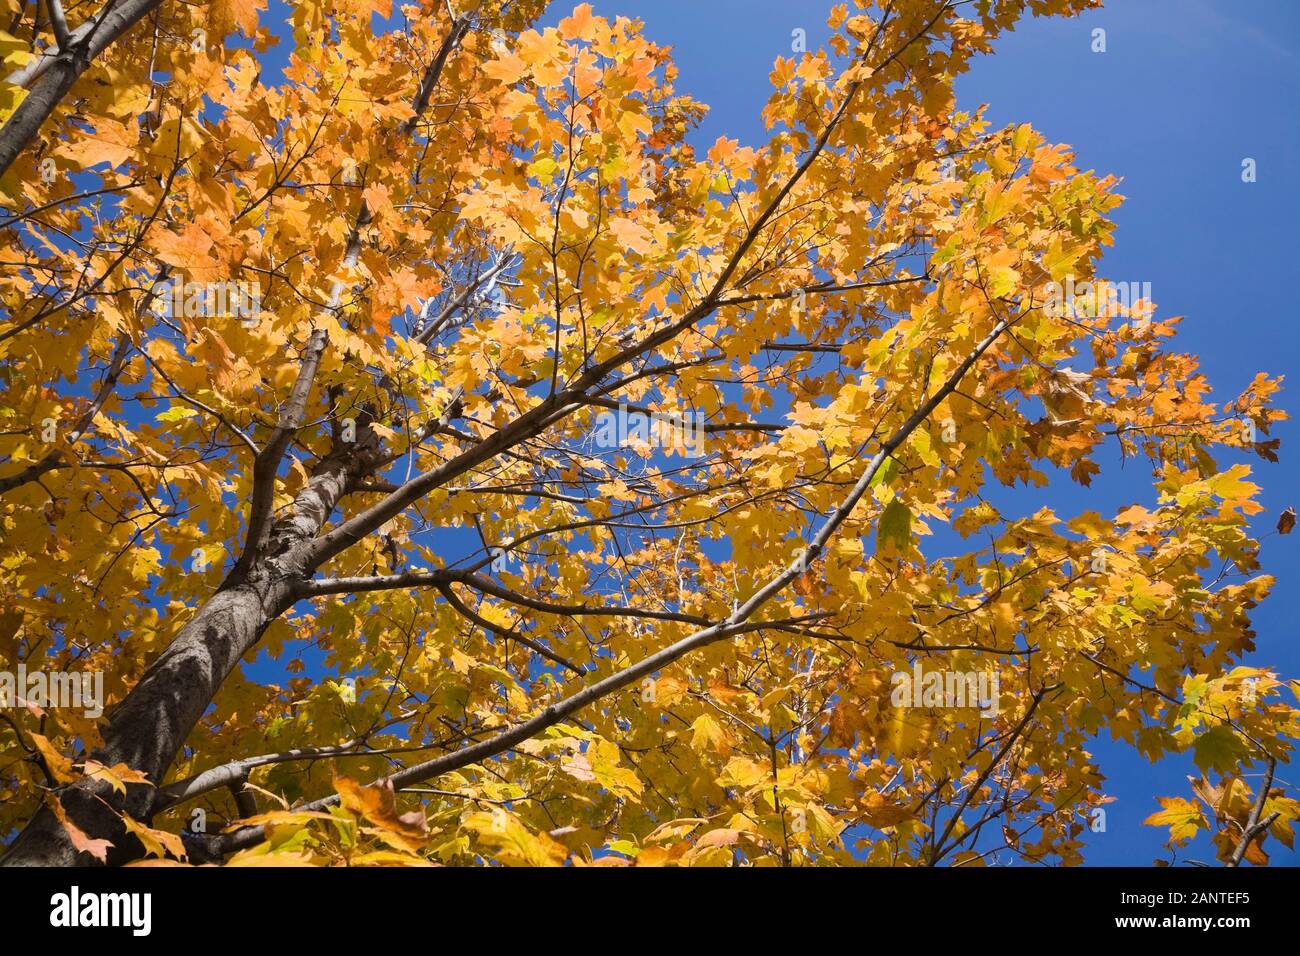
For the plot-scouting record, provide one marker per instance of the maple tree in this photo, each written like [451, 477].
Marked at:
[362, 584]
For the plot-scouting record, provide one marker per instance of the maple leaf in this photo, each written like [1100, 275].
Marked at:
[632, 235]
[81, 842]
[117, 776]
[579, 25]
[378, 804]
[224, 16]
[59, 766]
[1183, 818]
[112, 142]
[157, 843]
[508, 69]
[544, 474]
[895, 527]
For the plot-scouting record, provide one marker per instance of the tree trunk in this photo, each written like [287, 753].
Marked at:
[147, 729]
[54, 76]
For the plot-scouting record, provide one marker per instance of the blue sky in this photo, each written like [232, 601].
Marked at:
[1185, 91]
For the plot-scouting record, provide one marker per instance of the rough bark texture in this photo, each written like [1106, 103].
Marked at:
[148, 728]
[57, 75]
[146, 731]
[151, 724]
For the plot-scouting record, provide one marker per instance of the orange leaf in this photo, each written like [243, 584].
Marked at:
[378, 804]
[581, 25]
[80, 841]
[60, 767]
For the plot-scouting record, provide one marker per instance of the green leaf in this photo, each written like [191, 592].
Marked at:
[895, 526]
[1218, 749]
[176, 413]
[625, 847]
[885, 473]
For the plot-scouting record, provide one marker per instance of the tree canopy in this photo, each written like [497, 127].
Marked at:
[440, 460]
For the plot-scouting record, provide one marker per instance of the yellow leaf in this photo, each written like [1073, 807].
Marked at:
[116, 776]
[516, 844]
[60, 767]
[378, 804]
[744, 773]
[580, 25]
[709, 735]
[507, 69]
[1183, 817]
[225, 15]
[157, 843]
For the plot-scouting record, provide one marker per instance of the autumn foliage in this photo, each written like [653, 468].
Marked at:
[365, 587]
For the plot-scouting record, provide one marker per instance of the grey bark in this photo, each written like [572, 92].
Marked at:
[148, 728]
[56, 74]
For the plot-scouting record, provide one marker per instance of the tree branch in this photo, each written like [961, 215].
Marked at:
[736, 623]
[50, 77]
[1254, 825]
